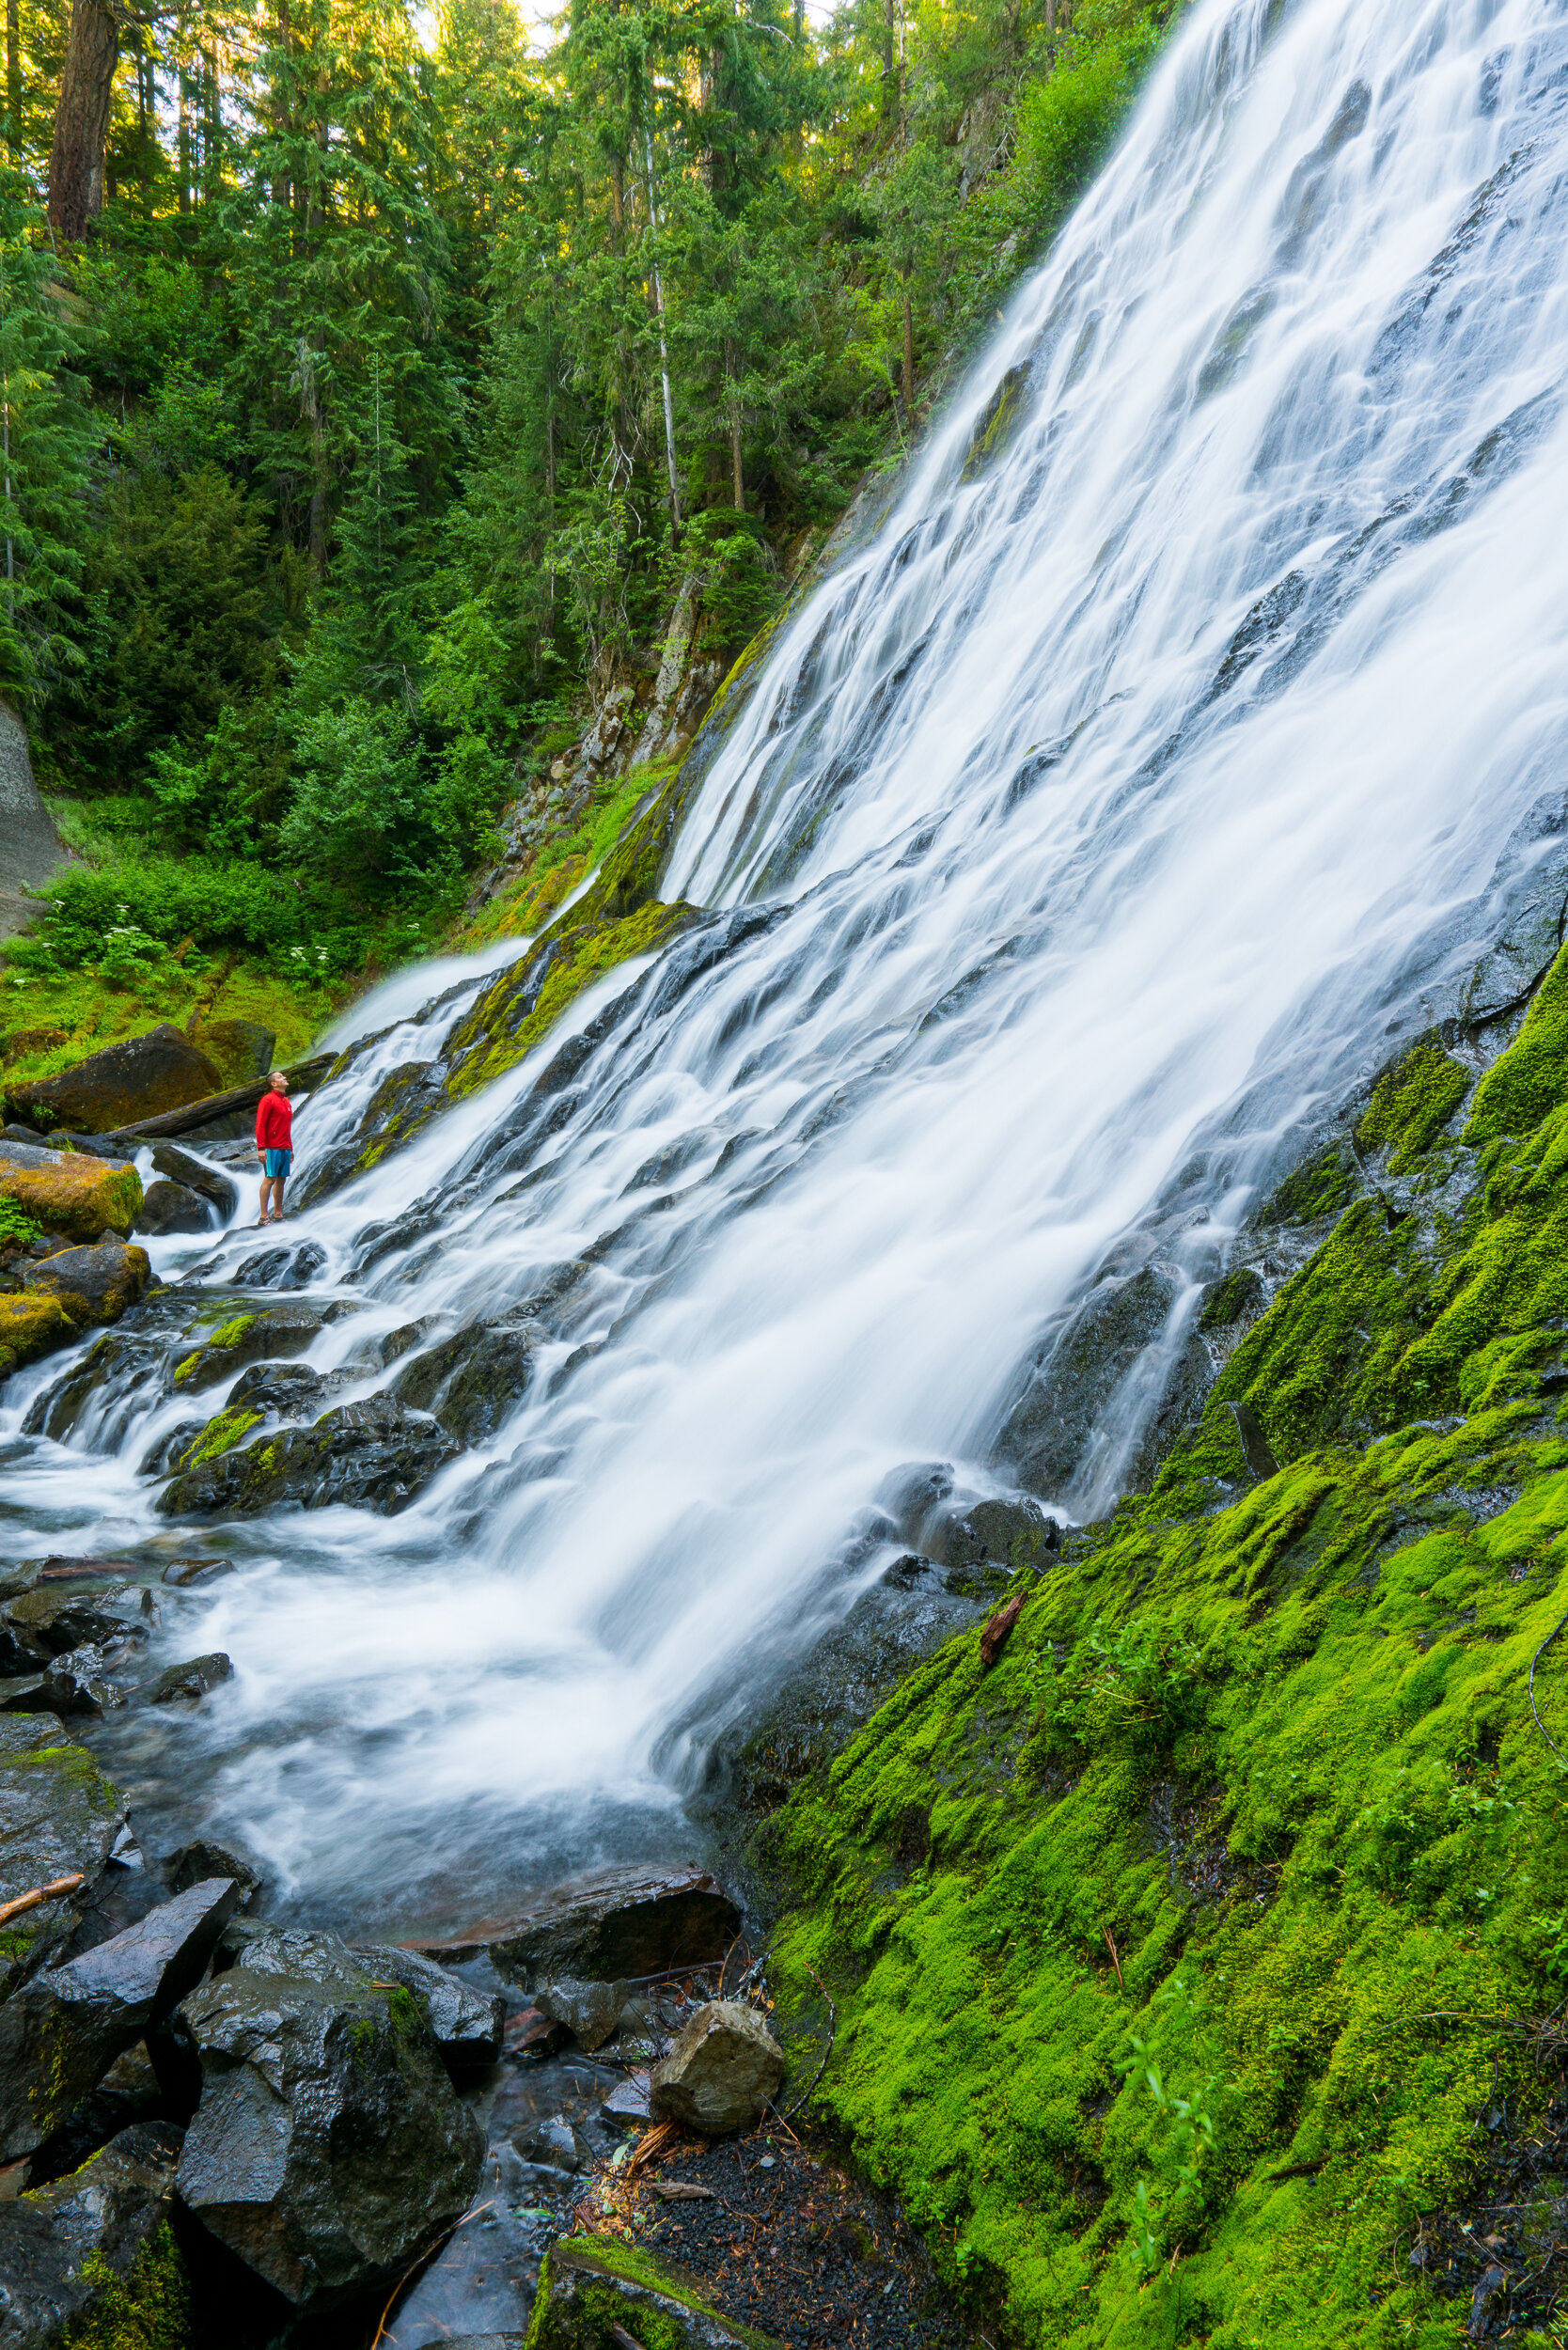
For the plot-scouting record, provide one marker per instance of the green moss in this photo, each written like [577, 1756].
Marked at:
[1411, 1104]
[1239, 1855]
[1532, 1075]
[578, 2306]
[72, 1014]
[1232, 1298]
[220, 1436]
[148, 2309]
[1320, 1187]
[228, 1334]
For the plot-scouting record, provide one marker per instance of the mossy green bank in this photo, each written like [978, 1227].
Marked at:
[1198, 1968]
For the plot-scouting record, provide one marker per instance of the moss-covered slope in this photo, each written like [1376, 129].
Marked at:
[1199, 1965]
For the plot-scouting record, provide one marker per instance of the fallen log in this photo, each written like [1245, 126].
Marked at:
[302, 1076]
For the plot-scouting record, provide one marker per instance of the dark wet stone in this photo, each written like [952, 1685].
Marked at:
[83, 2247]
[50, 1621]
[60, 1817]
[171, 1208]
[61, 2030]
[592, 2012]
[193, 1862]
[73, 1684]
[472, 1380]
[1046, 1437]
[180, 1167]
[274, 1331]
[190, 1573]
[375, 1456]
[554, 2144]
[281, 1390]
[188, 1683]
[468, 2025]
[128, 2093]
[963, 1535]
[626, 1923]
[284, 1268]
[329, 2150]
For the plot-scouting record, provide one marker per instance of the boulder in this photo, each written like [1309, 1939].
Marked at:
[188, 1683]
[554, 2144]
[597, 2294]
[620, 1922]
[92, 1285]
[1069, 1389]
[76, 1683]
[375, 1456]
[279, 1391]
[64, 1191]
[140, 1078]
[49, 1621]
[59, 1818]
[90, 2258]
[248, 1337]
[133, 1356]
[128, 2093]
[329, 2150]
[592, 2012]
[468, 2025]
[63, 2028]
[292, 1268]
[471, 1381]
[190, 1863]
[721, 2072]
[171, 1208]
[31, 1326]
[184, 1168]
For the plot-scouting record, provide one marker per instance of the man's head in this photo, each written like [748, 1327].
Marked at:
[278, 1082]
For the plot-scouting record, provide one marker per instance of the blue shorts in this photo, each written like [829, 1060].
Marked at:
[277, 1163]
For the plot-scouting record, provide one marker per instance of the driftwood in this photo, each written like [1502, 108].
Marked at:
[36, 1899]
[304, 1074]
[994, 1638]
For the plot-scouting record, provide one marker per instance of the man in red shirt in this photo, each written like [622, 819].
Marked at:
[274, 1145]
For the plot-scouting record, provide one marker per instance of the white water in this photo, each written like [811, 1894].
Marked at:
[1266, 354]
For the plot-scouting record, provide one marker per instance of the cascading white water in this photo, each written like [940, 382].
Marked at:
[1106, 812]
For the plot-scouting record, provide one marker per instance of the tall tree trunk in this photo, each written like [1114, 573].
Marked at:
[183, 141]
[889, 61]
[81, 120]
[734, 430]
[663, 349]
[13, 77]
[908, 356]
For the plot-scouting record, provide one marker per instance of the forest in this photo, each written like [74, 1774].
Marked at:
[378, 380]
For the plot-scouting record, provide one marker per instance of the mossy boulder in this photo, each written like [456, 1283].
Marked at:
[94, 1285]
[594, 2293]
[31, 1326]
[240, 1050]
[248, 1337]
[373, 1455]
[140, 1078]
[90, 2261]
[64, 1191]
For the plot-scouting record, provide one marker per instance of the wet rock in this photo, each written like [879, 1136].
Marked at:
[960, 1534]
[68, 1192]
[721, 2072]
[141, 1077]
[193, 1863]
[94, 2249]
[1047, 1434]
[48, 1621]
[471, 1381]
[468, 2025]
[184, 1168]
[629, 2102]
[31, 1327]
[128, 2093]
[242, 1050]
[595, 2295]
[188, 1683]
[94, 1284]
[246, 1338]
[63, 2028]
[1255, 1445]
[554, 2145]
[292, 1268]
[128, 1359]
[486, 2342]
[329, 2148]
[620, 1922]
[60, 1817]
[73, 1684]
[171, 1208]
[375, 1456]
[190, 1573]
[279, 1391]
[592, 2012]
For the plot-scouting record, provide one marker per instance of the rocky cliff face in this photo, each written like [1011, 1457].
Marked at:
[30, 848]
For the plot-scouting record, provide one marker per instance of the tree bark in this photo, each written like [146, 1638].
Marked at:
[81, 120]
[734, 430]
[908, 356]
[13, 77]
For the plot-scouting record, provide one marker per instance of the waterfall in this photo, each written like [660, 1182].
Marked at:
[1191, 723]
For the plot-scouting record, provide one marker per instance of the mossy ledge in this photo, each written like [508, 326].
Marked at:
[1215, 2008]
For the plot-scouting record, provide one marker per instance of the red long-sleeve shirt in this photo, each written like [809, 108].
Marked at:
[275, 1123]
